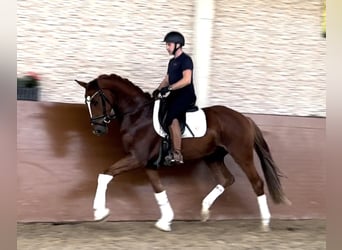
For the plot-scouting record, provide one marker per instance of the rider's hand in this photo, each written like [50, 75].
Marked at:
[164, 91]
[155, 93]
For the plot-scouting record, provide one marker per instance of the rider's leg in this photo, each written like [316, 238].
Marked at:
[176, 137]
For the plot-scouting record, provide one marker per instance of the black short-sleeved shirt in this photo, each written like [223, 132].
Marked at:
[175, 71]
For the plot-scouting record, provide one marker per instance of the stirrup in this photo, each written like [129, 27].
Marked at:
[177, 157]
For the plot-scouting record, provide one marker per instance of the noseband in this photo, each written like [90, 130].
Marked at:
[105, 117]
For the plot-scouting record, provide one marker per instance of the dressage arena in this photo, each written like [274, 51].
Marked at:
[59, 160]
[260, 57]
[213, 235]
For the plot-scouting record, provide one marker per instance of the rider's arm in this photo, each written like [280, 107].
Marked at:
[164, 83]
[186, 80]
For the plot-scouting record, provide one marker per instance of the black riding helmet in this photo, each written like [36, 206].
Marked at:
[175, 37]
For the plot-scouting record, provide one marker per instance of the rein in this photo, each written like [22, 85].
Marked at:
[107, 118]
[137, 109]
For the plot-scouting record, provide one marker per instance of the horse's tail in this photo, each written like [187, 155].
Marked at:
[271, 171]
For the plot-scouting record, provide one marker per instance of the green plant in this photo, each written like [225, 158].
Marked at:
[30, 80]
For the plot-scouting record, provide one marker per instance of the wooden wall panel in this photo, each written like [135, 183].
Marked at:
[59, 160]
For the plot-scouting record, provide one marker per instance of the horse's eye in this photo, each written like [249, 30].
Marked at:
[94, 102]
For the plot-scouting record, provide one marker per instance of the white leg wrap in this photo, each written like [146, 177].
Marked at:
[209, 200]
[100, 196]
[264, 211]
[212, 196]
[166, 211]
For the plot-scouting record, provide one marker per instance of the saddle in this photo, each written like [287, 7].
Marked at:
[163, 112]
[194, 125]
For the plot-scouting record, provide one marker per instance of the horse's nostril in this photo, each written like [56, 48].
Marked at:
[99, 130]
[96, 132]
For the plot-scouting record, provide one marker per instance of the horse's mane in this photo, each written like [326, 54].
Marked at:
[118, 78]
[122, 81]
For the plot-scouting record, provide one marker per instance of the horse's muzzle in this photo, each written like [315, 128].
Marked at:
[100, 130]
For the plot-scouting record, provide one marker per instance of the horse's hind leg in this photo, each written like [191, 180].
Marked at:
[164, 223]
[243, 156]
[222, 176]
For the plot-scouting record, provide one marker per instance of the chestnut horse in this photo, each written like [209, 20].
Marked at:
[112, 97]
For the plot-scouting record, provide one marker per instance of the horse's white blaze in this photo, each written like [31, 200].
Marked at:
[166, 211]
[264, 211]
[100, 196]
[88, 99]
[209, 200]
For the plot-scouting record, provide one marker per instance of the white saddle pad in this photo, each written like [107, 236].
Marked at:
[196, 121]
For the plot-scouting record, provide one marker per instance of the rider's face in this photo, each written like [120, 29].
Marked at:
[170, 47]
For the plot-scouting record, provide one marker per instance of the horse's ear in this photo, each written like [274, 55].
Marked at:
[83, 84]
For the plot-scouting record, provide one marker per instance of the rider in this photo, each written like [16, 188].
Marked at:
[179, 82]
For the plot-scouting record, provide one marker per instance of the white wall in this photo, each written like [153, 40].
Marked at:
[254, 56]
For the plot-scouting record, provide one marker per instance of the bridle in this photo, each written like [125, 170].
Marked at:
[106, 118]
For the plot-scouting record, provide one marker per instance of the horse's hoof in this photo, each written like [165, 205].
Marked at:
[205, 213]
[101, 214]
[265, 226]
[163, 226]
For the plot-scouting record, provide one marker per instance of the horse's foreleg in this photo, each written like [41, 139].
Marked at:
[164, 223]
[99, 205]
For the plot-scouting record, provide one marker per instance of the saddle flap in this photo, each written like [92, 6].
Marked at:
[196, 124]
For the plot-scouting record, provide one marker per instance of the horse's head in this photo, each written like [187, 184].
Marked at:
[109, 96]
[100, 103]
